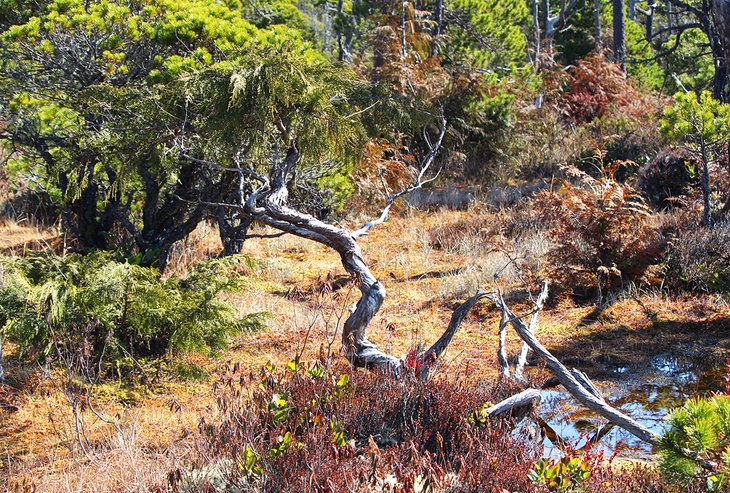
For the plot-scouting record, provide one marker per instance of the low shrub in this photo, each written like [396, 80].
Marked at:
[54, 305]
[562, 475]
[697, 443]
[595, 85]
[667, 176]
[699, 258]
[319, 428]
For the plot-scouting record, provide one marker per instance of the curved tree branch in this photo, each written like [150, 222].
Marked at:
[268, 205]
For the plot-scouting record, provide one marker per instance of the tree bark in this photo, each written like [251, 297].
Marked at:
[232, 235]
[649, 24]
[502, 350]
[438, 18]
[268, 205]
[358, 349]
[524, 351]
[529, 397]
[718, 32]
[547, 26]
[670, 22]
[345, 31]
[619, 34]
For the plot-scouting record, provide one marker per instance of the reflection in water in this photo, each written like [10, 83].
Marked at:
[645, 393]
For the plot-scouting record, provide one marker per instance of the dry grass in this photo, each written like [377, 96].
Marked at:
[18, 238]
[301, 284]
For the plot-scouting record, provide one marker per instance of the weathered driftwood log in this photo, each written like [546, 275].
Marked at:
[526, 399]
[575, 382]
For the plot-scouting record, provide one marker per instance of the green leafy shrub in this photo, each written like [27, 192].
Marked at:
[697, 443]
[52, 304]
[567, 474]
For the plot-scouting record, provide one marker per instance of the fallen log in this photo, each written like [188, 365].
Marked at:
[526, 398]
[575, 382]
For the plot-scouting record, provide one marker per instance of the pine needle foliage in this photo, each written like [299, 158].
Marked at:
[116, 309]
[697, 443]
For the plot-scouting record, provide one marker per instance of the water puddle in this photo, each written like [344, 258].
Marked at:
[646, 392]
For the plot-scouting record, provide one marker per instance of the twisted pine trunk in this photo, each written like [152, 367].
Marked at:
[357, 347]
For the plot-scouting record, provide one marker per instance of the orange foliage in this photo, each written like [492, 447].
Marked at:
[602, 235]
[596, 85]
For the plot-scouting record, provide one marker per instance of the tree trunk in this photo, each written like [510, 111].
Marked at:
[619, 34]
[726, 208]
[524, 351]
[81, 213]
[706, 189]
[721, 83]
[597, 23]
[502, 349]
[326, 23]
[268, 205]
[526, 399]
[670, 22]
[358, 349]
[536, 27]
[545, 21]
[719, 35]
[438, 18]
[232, 235]
[576, 382]
[649, 24]
[345, 31]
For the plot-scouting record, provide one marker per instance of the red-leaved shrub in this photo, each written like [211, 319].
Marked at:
[323, 429]
[595, 84]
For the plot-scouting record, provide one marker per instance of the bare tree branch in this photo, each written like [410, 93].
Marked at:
[522, 359]
[420, 182]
